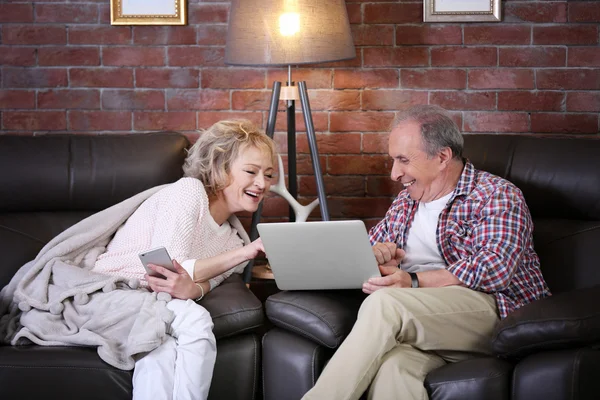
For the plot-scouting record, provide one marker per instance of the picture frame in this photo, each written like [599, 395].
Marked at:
[148, 12]
[461, 11]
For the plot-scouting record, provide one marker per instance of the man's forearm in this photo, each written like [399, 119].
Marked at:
[437, 278]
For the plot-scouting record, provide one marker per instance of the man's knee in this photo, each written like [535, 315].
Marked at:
[380, 300]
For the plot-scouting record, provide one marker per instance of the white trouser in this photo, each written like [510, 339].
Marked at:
[182, 367]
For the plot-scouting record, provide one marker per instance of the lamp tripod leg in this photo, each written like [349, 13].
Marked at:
[256, 215]
[314, 152]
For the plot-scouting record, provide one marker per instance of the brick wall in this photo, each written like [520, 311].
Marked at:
[64, 68]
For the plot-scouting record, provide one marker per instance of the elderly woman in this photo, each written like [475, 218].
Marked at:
[154, 321]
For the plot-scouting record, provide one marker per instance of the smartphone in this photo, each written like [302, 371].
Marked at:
[158, 256]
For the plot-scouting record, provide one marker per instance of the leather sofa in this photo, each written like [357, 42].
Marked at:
[50, 182]
[548, 349]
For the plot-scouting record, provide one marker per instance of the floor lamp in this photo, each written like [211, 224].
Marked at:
[285, 33]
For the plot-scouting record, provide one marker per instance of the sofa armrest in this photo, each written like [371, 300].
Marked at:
[325, 317]
[233, 308]
[565, 320]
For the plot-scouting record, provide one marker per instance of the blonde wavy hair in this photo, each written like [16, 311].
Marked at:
[210, 158]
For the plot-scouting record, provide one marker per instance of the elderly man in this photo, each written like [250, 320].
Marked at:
[456, 253]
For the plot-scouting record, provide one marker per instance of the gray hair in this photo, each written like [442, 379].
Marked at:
[210, 158]
[438, 130]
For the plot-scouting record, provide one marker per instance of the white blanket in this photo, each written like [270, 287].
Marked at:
[55, 300]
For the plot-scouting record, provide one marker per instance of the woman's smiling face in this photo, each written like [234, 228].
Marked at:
[250, 178]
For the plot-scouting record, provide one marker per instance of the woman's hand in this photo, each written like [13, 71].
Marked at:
[178, 284]
[254, 249]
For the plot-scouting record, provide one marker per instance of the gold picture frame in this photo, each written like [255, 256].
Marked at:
[148, 12]
[461, 11]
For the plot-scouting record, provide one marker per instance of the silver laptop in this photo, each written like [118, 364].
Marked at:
[319, 255]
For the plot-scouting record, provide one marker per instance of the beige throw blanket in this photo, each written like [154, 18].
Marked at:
[55, 300]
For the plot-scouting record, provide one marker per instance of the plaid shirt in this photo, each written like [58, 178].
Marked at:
[484, 235]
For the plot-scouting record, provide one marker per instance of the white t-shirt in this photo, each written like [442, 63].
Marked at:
[422, 253]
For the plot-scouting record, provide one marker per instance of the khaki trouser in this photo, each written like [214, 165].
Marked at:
[402, 334]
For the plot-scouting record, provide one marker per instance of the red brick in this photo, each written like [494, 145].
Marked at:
[334, 185]
[189, 56]
[334, 100]
[498, 34]
[375, 143]
[34, 120]
[463, 56]
[104, 17]
[319, 120]
[565, 34]
[583, 101]
[68, 56]
[332, 143]
[539, 12]
[584, 11]
[99, 120]
[382, 186]
[393, 100]
[66, 13]
[164, 121]
[17, 56]
[101, 77]
[568, 79]
[564, 123]
[211, 35]
[531, 101]
[167, 78]
[188, 99]
[433, 78]
[274, 206]
[428, 34]
[225, 78]
[304, 164]
[15, 99]
[359, 164]
[354, 13]
[99, 35]
[396, 57]
[131, 56]
[373, 35]
[459, 100]
[207, 13]
[360, 121]
[34, 78]
[495, 122]
[501, 79]
[584, 57]
[533, 56]
[355, 62]
[250, 99]
[133, 99]
[386, 13]
[314, 78]
[28, 34]
[207, 118]
[13, 13]
[156, 35]
[69, 98]
[377, 78]
[353, 208]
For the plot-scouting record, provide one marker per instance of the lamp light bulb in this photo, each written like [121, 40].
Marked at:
[289, 24]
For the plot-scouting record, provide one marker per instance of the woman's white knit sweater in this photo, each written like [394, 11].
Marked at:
[178, 218]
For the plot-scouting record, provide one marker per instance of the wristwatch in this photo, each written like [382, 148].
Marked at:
[414, 280]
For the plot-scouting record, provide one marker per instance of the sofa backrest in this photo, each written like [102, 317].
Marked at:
[49, 182]
[560, 178]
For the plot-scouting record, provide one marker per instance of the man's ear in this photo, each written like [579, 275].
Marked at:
[445, 156]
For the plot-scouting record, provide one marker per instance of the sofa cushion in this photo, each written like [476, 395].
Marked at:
[565, 320]
[478, 378]
[323, 316]
[233, 307]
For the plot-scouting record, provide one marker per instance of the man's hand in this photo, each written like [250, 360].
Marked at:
[388, 256]
[178, 284]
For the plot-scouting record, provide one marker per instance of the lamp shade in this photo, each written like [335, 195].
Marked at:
[288, 32]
